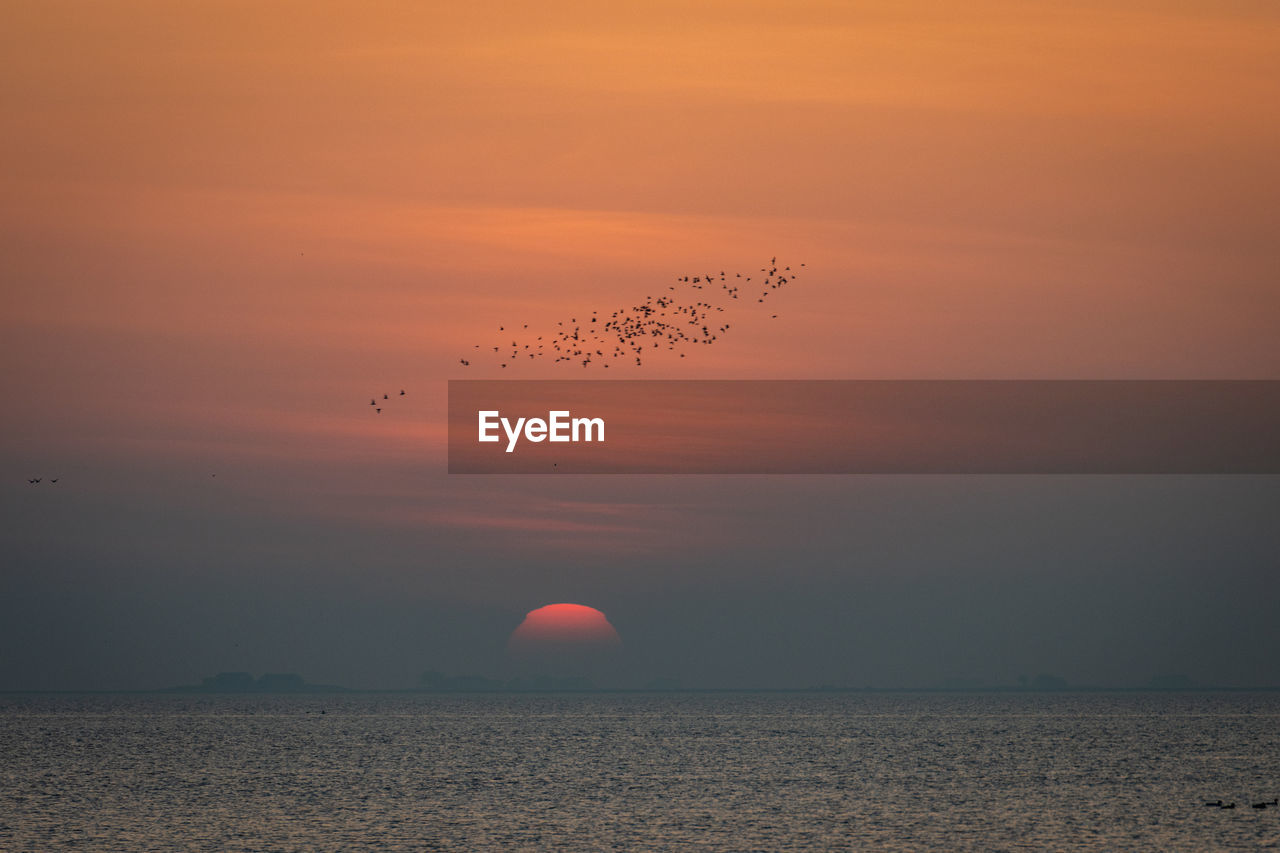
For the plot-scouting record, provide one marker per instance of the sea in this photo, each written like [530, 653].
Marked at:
[640, 771]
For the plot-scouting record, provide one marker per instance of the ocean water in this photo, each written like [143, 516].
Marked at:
[731, 772]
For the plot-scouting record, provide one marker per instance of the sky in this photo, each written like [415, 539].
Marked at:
[226, 225]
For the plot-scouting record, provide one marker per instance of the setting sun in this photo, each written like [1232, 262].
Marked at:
[562, 625]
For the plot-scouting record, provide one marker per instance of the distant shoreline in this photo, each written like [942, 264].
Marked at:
[335, 690]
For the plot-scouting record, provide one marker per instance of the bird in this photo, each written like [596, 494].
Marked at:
[53, 480]
[378, 410]
[1274, 802]
[402, 390]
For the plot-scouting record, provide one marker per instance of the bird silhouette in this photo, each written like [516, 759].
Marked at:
[674, 321]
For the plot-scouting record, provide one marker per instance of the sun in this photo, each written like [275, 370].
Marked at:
[563, 633]
[574, 624]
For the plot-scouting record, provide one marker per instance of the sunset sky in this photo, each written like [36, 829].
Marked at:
[227, 225]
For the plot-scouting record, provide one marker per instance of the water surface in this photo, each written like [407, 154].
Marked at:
[908, 771]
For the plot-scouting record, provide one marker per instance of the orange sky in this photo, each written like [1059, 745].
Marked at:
[226, 224]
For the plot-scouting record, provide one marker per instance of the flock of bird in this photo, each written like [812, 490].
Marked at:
[373, 401]
[34, 480]
[688, 314]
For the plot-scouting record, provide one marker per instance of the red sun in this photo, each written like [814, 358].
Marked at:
[560, 628]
